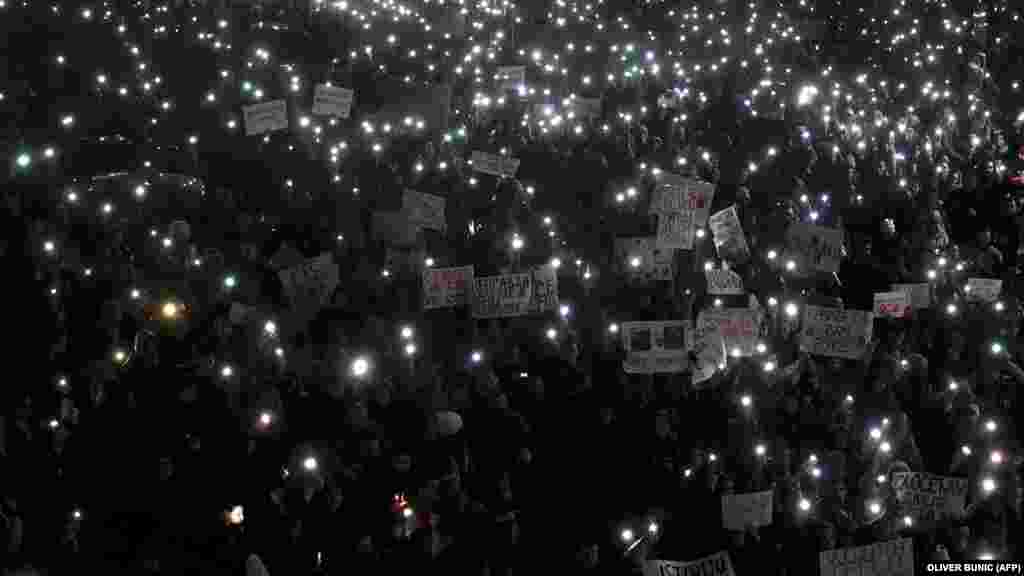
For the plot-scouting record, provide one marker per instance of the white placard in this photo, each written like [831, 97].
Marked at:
[312, 282]
[714, 565]
[741, 511]
[727, 231]
[892, 558]
[424, 210]
[927, 497]
[682, 206]
[332, 101]
[920, 295]
[724, 282]
[891, 304]
[494, 164]
[814, 247]
[515, 294]
[265, 117]
[651, 262]
[836, 332]
[655, 347]
[510, 78]
[447, 287]
[738, 328]
[983, 289]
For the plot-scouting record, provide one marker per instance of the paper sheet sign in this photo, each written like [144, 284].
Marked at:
[740, 511]
[682, 206]
[715, 565]
[265, 117]
[424, 210]
[836, 332]
[447, 287]
[642, 259]
[724, 282]
[738, 328]
[919, 295]
[312, 282]
[814, 248]
[727, 231]
[708, 349]
[511, 77]
[983, 289]
[332, 101]
[892, 558]
[494, 164]
[891, 304]
[927, 497]
[515, 294]
[655, 347]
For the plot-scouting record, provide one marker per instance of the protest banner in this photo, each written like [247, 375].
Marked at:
[836, 332]
[727, 231]
[688, 202]
[642, 259]
[739, 328]
[927, 497]
[655, 347]
[494, 164]
[312, 282]
[515, 294]
[814, 248]
[724, 282]
[395, 228]
[892, 558]
[919, 295]
[983, 289]
[446, 287]
[891, 304]
[424, 210]
[332, 101]
[740, 511]
[510, 78]
[265, 117]
[715, 565]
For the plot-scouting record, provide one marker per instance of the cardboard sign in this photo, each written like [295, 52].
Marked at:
[740, 511]
[510, 78]
[738, 328]
[494, 164]
[727, 231]
[515, 294]
[332, 101]
[983, 289]
[891, 304]
[395, 228]
[652, 262]
[312, 282]
[814, 248]
[892, 558]
[919, 295]
[724, 282]
[265, 117]
[927, 497]
[446, 287]
[714, 565]
[655, 347]
[424, 210]
[682, 206]
[836, 332]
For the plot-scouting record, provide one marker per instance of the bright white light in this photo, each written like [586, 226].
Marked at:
[360, 366]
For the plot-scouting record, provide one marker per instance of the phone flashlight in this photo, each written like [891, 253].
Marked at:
[988, 485]
[805, 505]
[627, 535]
[310, 464]
[991, 426]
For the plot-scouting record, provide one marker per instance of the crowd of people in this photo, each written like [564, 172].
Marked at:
[180, 410]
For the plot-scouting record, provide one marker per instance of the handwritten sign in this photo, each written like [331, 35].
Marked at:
[708, 349]
[655, 347]
[892, 558]
[424, 210]
[312, 282]
[740, 511]
[642, 259]
[682, 206]
[494, 164]
[724, 282]
[983, 289]
[265, 117]
[446, 287]
[738, 328]
[674, 231]
[814, 247]
[919, 295]
[891, 304]
[714, 565]
[515, 294]
[927, 497]
[836, 332]
[332, 101]
[510, 78]
[727, 231]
